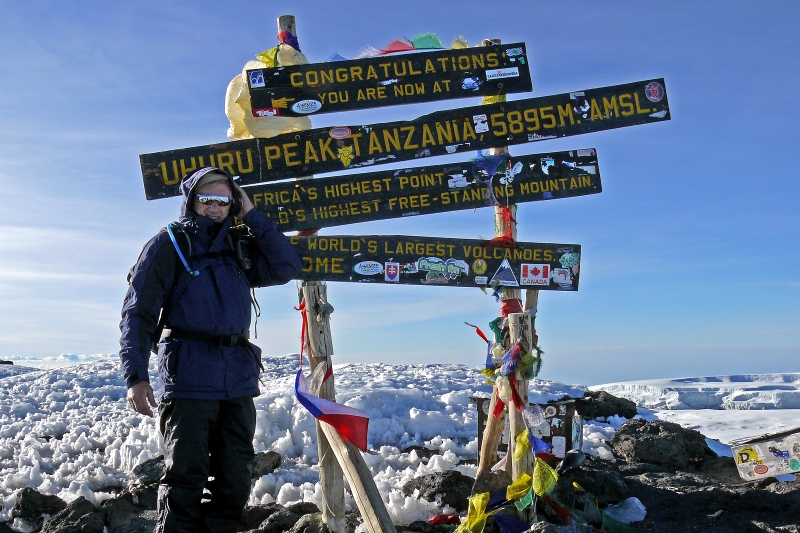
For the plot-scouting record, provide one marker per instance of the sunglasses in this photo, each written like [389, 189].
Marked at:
[208, 199]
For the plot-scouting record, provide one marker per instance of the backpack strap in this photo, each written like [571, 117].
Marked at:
[180, 261]
[182, 229]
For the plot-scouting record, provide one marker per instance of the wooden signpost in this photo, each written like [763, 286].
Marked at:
[405, 260]
[319, 150]
[498, 179]
[318, 88]
[340, 200]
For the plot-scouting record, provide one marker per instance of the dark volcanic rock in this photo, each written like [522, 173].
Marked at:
[602, 480]
[600, 404]
[254, 515]
[420, 526]
[32, 504]
[145, 497]
[5, 528]
[78, 516]
[144, 522]
[452, 488]
[660, 443]
[693, 501]
[491, 482]
[310, 523]
[149, 472]
[117, 512]
[265, 463]
[422, 451]
[303, 508]
[281, 520]
[352, 520]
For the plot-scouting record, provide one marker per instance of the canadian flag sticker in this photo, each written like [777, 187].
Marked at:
[533, 274]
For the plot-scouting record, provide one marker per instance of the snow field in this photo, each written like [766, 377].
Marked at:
[69, 432]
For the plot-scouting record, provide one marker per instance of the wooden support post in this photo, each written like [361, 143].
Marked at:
[519, 325]
[494, 426]
[338, 457]
[365, 493]
[288, 23]
[319, 347]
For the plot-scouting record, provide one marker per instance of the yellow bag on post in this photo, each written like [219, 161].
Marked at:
[237, 102]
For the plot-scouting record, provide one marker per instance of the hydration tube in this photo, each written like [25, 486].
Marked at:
[193, 273]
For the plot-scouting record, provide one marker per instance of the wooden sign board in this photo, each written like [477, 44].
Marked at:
[299, 90]
[404, 260]
[339, 200]
[451, 131]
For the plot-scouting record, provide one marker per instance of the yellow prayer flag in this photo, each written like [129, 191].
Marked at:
[544, 478]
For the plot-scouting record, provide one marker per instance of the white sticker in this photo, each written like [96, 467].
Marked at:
[559, 446]
[368, 268]
[307, 107]
[481, 124]
[511, 72]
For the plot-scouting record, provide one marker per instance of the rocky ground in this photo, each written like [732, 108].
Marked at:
[682, 484]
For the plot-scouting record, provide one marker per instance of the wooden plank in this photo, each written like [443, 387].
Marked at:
[407, 260]
[339, 200]
[365, 493]
[444, 132]
[519, 327]
[319, 347]
[494, 426]
[318, 88]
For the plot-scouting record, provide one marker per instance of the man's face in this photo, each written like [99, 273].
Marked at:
[213, 210]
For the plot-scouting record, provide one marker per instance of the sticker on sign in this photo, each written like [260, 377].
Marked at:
[307, 106]
[512, 72]
[535, 274]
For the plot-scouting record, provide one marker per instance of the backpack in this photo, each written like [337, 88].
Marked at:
[241, 241]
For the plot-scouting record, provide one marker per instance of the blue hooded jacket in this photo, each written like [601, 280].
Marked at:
[217, 302]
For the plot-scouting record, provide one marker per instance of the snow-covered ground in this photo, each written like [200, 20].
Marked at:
[68, 430]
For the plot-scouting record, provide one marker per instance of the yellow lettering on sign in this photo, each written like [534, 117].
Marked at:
[626, 105]
[409, 130]
[374, 143]
[310, 153]
[271, 153]
[427, 136]
[596, 114]
[610, 107]
[640, 110]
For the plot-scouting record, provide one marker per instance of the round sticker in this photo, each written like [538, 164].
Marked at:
[761, 469]
[340, 132]
[549, 411]
[654, 91]
[307, 107]
[479, 266]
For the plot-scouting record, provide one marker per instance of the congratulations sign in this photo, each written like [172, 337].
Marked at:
[318, 88]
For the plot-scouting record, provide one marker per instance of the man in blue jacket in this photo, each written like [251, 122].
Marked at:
[207, 368]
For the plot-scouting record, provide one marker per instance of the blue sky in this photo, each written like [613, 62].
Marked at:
[690, 253]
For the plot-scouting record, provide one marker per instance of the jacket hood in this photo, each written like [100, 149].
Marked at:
[189, 183]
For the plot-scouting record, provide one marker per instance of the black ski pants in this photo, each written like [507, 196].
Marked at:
[205, 438]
